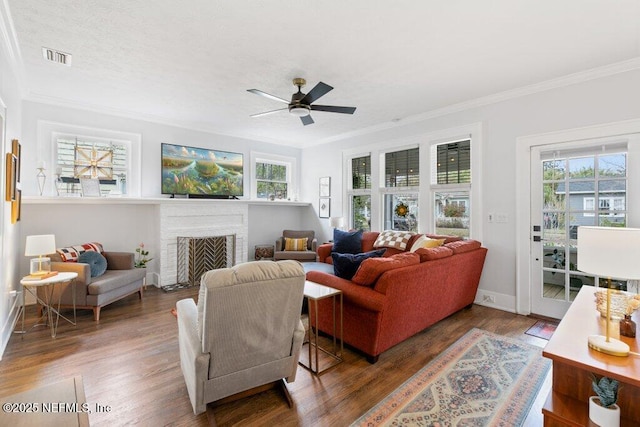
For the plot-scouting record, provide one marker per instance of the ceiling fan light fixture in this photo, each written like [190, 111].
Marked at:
[299, 110]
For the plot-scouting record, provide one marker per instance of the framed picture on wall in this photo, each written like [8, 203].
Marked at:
[325, 186]
[16, 207]
[12, 185]
[16, 149]
[324, 208]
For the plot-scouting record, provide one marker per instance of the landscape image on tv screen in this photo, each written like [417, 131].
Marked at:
[201, 172]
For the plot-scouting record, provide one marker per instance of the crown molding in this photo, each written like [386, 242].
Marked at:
[10, 45]
[132, 115]
[571, 79]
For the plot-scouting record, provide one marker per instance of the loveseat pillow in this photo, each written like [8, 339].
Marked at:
[295, 244]
[97, 262]
[71, 253]
[346, 265]
[430, 254]
[347, 242]
[371, 269]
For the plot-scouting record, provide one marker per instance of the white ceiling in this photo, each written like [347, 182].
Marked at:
[190, 63]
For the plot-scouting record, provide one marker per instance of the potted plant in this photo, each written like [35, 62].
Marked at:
[603, 409]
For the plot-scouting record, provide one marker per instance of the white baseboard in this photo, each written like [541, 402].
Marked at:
[10, 323]
[496, 300]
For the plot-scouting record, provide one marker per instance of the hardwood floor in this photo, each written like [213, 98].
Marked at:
[130, 362]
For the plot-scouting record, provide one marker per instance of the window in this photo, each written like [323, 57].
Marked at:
[85, 157]
[360, 193]
[272, 177]
[451, 187]
[402, 168]
[272, 181]
[361, 173]
[401, 182]
[407, 185]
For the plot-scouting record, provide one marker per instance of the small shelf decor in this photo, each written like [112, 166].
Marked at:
[603, 409]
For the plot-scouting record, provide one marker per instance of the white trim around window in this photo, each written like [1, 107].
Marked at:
[48, 132]
[424, 142]
[289, 162]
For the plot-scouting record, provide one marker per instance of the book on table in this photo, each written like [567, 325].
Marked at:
[36, 277]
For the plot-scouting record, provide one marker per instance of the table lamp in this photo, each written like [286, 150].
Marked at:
[609, 252]
[40, 245]
[337, 222]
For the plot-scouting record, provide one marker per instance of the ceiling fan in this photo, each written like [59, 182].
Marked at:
[302, 104]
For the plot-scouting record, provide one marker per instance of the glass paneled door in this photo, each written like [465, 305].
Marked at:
[570, 188]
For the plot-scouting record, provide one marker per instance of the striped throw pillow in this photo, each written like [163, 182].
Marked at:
[295, 244]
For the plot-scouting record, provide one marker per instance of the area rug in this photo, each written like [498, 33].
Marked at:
[542, 329]
[483, 379]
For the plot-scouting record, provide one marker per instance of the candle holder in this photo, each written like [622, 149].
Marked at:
[42, 178]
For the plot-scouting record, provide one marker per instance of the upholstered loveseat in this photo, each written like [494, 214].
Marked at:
[402, 301]
[119, 280]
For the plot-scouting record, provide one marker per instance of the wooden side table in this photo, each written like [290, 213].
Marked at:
[315, 292]
[574, 363]
[49, 284]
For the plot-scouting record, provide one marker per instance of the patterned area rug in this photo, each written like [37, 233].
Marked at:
[483, 379]
[542, 329]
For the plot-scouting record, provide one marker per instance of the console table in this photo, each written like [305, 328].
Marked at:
[574, 363]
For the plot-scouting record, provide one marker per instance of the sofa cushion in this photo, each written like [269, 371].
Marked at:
[429, 254]
[71, 253]
[393, 239]
[371, 269]
[346, 265]
[463, 246]
[295, 244]
[347, 242]
[97, 262]
[426, 242]
[114, 279]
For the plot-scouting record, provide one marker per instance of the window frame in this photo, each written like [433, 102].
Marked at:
[274, 159]
[426, 218]
[47, 149]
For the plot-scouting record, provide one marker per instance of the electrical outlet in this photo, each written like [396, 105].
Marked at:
[489, 298]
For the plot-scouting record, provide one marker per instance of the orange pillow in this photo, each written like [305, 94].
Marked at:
[371, 269]
[429, 254]
[463, 246]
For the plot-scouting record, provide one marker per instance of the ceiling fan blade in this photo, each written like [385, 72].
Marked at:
[314, 94]
[267, 95]
[306, 120]
[334, 109]
[269, 112]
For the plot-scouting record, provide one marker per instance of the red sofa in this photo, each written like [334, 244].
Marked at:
[403, 301]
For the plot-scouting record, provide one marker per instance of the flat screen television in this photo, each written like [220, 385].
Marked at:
[200, 172]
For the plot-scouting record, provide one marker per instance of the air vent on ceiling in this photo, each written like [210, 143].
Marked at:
[56, 56]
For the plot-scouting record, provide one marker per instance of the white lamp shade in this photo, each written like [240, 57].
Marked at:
[42, 244]
[337, 221]
[609, 252]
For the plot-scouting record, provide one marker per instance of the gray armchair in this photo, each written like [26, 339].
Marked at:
[245, 331]
[306, 255]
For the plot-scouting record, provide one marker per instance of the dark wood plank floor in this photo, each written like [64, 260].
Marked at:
[130, 362]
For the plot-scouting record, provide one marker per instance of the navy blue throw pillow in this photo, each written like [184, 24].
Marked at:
[346, 265]
[97, 263]
[347, 242]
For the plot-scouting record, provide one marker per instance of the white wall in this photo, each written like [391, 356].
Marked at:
[9, 233]
[603, 100]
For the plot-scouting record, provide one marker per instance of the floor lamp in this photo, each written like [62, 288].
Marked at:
[609, 252]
